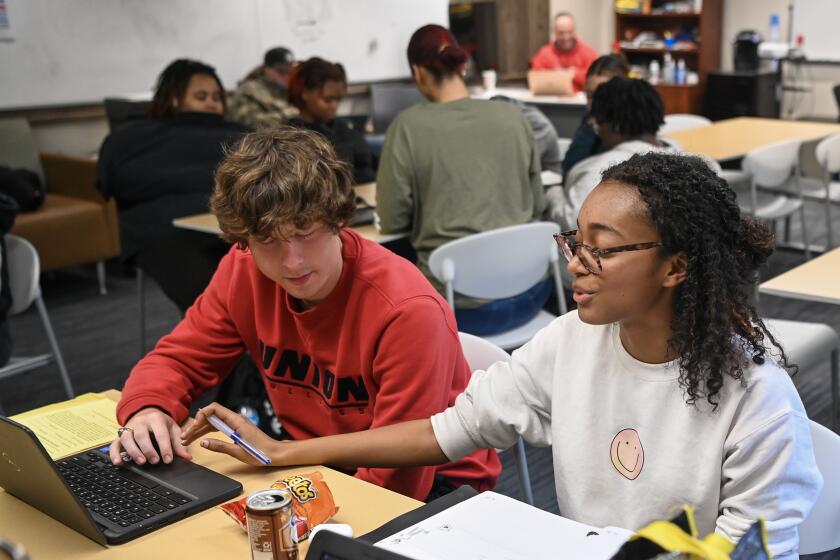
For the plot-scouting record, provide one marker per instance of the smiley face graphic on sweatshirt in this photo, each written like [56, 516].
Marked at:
[627, 454]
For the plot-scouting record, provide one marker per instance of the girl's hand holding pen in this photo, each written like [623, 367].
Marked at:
[261, 445]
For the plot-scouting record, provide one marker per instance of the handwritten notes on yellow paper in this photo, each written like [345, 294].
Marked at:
[72, 426]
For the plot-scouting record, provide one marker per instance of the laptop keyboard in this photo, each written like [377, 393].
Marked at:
[118, 495]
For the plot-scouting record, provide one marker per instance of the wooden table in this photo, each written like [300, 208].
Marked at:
[734, 138]
[816, 280]
[207, 223]
[206, 535]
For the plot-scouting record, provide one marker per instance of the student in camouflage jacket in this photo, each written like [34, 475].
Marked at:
[260, 98]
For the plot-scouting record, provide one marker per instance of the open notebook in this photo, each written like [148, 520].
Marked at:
[492, 526]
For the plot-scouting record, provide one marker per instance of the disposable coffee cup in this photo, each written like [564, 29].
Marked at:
[488, 78]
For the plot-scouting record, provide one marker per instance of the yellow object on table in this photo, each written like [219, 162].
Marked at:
[69, 427]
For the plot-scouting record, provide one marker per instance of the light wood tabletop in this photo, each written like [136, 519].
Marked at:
[207, 535]
[816, 280]
[207, 223]
[734, 138]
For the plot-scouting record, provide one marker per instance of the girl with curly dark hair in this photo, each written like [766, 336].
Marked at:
[663, 388]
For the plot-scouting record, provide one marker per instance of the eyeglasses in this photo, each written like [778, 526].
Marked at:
[590, 256]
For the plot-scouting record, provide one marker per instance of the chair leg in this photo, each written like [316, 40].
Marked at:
[141, 302]
[829, 243]
[558, 286]
[786, 236]
[522, 469]
[835, 406]
[100, 274]
[804, 232]
[59, 359]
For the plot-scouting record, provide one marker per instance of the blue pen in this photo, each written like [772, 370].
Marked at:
[217, 423]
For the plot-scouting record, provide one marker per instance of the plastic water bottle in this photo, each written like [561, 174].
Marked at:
[775, 33]
[668, 69]
[679, 76]
[653, 72]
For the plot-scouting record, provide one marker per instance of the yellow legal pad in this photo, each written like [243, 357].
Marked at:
[72, 426]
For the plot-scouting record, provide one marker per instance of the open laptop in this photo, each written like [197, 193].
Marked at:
[106, 503]
[328, 545]
[551, 82]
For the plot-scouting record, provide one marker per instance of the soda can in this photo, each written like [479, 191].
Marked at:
[270, 520]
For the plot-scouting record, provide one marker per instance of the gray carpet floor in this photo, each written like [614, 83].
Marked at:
[99, 336]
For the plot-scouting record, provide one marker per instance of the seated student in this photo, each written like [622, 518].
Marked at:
[627, 114]
[458, 166]
[663, 388]
[162, 168]
[346, 335]
[316, 88]
[545, 135]
[585, 141]
[260, 98]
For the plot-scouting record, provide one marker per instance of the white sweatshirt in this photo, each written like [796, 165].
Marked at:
[628, 449]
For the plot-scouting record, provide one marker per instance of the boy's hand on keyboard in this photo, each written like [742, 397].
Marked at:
[153, 437]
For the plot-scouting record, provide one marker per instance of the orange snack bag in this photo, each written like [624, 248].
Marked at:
[312, 502]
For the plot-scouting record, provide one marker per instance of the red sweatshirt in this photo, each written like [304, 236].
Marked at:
[382, 348]
[578, 59]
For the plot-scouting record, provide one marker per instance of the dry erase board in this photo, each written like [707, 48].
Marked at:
[55, 52]
[817, 21]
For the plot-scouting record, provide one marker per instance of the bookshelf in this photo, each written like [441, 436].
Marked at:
[697, 42]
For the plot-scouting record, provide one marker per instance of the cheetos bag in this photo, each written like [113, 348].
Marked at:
[312, 503]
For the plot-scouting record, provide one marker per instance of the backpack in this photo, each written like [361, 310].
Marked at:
[24, 186]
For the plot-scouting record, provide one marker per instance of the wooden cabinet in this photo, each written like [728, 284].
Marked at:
[701, 53]
[501, 34]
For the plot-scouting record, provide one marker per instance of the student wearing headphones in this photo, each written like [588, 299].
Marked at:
[664, 387]
[457, 166]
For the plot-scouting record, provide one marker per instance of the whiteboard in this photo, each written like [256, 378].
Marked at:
[80, 51]
[817, 21]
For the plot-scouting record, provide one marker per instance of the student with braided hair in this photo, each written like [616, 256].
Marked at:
[664, 387]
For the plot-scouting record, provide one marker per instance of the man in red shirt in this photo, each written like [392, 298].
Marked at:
[567, 51]
[345, 334]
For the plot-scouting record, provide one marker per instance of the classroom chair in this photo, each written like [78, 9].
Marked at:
[502, 263]
[836, 91]
[481, 354]
[805, 345]
[823, 189]
[120, 111]
[24, 271]
[682, 121]
[774, 170]
[563, 146]
[74, 225]
[820, 531]
[389, 100]
[551, 178]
